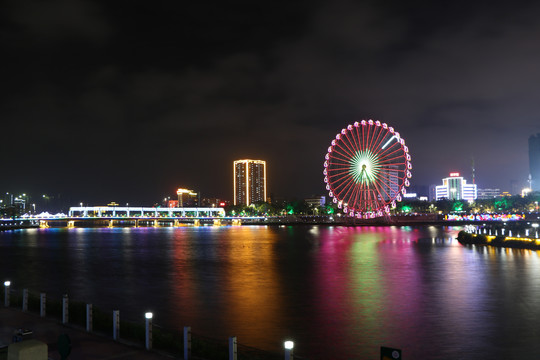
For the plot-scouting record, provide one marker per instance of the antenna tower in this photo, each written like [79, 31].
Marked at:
[473, 171]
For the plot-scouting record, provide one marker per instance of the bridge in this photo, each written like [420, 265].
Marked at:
[126, 211]
[113, 216]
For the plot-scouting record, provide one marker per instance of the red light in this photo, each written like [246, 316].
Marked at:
[454, 174]
[222, 204]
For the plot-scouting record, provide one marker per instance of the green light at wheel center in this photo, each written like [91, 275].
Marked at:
[364, 167]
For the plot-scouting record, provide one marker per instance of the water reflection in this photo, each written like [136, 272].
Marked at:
[339, 292]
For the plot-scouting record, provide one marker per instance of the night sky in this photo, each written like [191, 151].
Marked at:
[126, 101]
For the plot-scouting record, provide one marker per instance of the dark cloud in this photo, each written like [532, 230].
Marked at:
[121, 101]
[46, 22]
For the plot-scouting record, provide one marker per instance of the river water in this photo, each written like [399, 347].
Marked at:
[338, 292]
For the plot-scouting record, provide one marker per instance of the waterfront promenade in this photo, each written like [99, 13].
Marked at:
[85, 346]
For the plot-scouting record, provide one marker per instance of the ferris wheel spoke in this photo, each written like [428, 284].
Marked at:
[338, 155]
[392, 161]
[391, 173]
[385, 141]
[364, 135]
[371, 200]
[381, 186]
[391, 149]
[372, 130]
[340, 163]
[375, 143]
[392, 181]
[357, 195]
[341, 184]
[351, 197]
[345, 186]
[342, 176]
[356, 140]
[351, 144]
[339, 171]
[387, 152]
[394, 157]
[344, 150]
[368, 201]
[371, 203]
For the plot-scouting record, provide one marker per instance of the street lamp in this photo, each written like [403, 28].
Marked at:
[289, 346]
[148, 316]
[6, 292]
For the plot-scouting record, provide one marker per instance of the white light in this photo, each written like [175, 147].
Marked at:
[148, 315]
[7, 283]
[535, 225]
[289, 345]
[388, 142]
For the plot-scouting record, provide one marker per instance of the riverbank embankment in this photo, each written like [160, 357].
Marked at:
[467, 238]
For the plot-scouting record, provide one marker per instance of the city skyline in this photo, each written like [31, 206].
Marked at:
[107, 102]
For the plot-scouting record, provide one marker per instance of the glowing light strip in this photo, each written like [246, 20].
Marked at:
[234, 182]
[247, 184]
[388, 142]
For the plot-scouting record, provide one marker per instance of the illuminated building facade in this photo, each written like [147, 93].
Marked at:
[249, 181]
[455, 187]
[213, 202]
[534, 162]
[316, 201]
[390, 177]
[486, 194]
[187, 198]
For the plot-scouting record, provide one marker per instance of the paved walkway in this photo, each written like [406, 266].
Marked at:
[84, 346]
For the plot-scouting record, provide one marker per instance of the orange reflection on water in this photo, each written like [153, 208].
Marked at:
[253, 292]
[184, 286]
[237, 265]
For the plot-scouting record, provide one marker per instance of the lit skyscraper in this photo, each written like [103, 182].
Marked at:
[455, 187]
[534, 161]
[249, 181]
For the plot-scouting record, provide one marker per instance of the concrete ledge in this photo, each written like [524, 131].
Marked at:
[28, 350]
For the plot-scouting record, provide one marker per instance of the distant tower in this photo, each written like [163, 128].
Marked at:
[534, 161]
[249, 181]
[473, 171]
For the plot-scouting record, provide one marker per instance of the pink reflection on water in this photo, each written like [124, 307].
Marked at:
[371, 288]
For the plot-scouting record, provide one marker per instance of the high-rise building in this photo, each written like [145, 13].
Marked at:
[390, 176]
[187, 197]
[249, 181]
[534, 161]
[455, 187]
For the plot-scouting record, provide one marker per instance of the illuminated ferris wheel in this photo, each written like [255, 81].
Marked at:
[367, 169]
